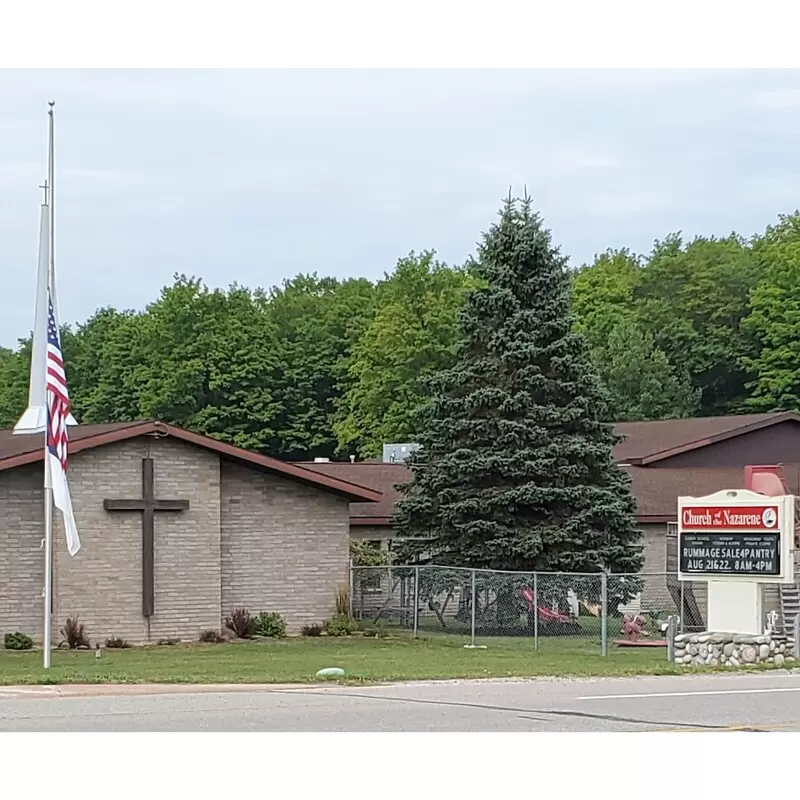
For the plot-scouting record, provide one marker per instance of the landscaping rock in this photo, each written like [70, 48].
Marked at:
[731, 650]
[749, 654]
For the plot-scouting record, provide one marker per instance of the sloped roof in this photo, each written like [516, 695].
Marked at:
[657, 490]
[374, 474]
[647, 442]
[16, 451]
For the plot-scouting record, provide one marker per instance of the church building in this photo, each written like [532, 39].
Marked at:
[177, 531]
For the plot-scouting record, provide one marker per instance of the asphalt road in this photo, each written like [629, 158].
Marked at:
[762, 702]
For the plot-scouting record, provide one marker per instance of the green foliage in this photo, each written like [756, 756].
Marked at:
[314, 629]
[364, 553]
[211, 637]
[75, 635]
[693, 299]
[320, 365]
[774, 322]
[271, 624]
[515, 469]
[318, 322]
[412, 334]
[241, 623]
[341, 625]
[116, 643]
[641, 382]
[603, 295]
[17, 641]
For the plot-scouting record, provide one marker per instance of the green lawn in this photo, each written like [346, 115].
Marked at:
[399, 657]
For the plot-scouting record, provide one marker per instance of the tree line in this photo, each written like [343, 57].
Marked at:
[320, 366]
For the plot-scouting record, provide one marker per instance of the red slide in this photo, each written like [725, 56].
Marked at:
[545, 614]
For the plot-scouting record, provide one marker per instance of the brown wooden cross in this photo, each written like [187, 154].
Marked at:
[148, 505]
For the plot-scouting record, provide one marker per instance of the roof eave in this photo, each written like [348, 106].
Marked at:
[688, 447]
[350, 491]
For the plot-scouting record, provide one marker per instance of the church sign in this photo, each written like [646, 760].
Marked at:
[736, 534]
[730, 554]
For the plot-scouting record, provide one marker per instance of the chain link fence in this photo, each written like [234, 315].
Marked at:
[557, 611]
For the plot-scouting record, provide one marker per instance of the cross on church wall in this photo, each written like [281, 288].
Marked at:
[148, 505]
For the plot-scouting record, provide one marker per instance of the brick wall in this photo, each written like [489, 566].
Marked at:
[103, 583]
[21, 560]
[284, 546]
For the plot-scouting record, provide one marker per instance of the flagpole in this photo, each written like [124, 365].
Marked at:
[48, 483]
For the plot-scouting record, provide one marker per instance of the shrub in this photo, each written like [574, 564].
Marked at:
[116, 643]
[341, 625]
[366, 554]
[17, 641]
[343, 602]
[269, 623]
[314, 629]
[241, 624]
[211, 637]
[169, 642]
[75, 636]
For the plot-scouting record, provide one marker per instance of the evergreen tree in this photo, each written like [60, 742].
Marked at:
[515, 469]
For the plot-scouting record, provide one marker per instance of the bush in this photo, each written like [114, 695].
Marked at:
[211, 637]
[241, 624]
[116, 643]
[17, 641]
[75, 636]
[169, 642]
[314, 629]
[269, 623]
[341, 625]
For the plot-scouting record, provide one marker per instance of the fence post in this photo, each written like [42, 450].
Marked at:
[474, 598]
[796, 634]
[535, 611]
[350, 590]
[604, 613]
[416, 600]
[682, 612]
[671, 631]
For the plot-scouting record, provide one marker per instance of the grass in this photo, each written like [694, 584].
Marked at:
[364, 659]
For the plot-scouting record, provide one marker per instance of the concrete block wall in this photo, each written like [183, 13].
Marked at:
[285, 546]
[21, 559]
[103, 582]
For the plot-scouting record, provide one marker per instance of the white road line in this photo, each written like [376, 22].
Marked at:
[688, 694]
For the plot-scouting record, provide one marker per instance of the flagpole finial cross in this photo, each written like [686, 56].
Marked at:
[45, 186]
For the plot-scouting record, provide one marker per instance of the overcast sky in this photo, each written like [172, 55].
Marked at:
[255, 176]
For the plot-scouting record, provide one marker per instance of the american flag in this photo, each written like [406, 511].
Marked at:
[58, 406]
[58, 409]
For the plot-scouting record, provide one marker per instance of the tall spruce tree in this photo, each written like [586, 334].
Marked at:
[515, 469]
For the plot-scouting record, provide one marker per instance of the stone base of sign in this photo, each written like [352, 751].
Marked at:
[732, 650]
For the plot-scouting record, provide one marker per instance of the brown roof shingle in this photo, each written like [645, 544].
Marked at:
[646, 442]
[657, 489]
[15, 451]
[374, 474]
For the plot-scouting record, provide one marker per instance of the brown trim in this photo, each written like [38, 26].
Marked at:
[351, 491]
[643, 518]
[719, 437]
